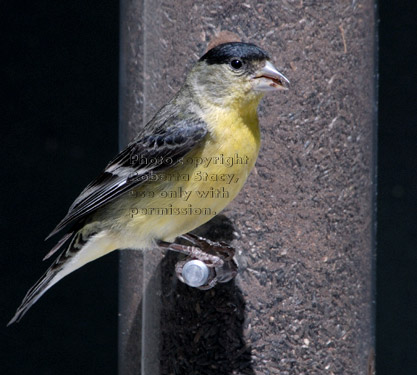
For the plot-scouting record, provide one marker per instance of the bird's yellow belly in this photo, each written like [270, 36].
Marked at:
[198, 188]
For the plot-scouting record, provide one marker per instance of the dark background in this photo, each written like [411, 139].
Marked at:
[59, 85]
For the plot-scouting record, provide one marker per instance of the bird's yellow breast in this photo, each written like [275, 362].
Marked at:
[189, 194]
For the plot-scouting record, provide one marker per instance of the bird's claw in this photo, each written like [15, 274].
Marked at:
[217, 256]
[223, 273]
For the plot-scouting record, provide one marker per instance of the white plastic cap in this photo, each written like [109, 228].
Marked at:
[195, 273]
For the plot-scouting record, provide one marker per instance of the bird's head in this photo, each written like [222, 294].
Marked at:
[235, 73]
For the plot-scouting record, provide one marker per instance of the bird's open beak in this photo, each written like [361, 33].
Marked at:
[268, 78]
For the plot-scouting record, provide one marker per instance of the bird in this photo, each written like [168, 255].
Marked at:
[186, 164]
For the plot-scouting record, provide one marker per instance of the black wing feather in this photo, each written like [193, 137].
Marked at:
[131, 167]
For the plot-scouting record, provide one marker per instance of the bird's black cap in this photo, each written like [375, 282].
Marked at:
[222, 53]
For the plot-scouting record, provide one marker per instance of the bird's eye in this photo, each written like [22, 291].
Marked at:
[236, 64]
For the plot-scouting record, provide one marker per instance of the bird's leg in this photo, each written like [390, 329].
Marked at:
[226, 252]
[217, 256]
[221, 248]
[193, 252]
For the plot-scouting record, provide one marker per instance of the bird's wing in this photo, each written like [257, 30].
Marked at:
[133, 166]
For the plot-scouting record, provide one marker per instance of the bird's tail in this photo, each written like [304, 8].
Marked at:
[79, 251]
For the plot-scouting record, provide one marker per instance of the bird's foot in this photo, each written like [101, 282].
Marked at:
[207, 263]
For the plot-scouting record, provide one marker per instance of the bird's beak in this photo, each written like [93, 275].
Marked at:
[268, 78]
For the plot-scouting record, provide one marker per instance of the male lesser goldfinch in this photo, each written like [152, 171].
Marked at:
[184, 167]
